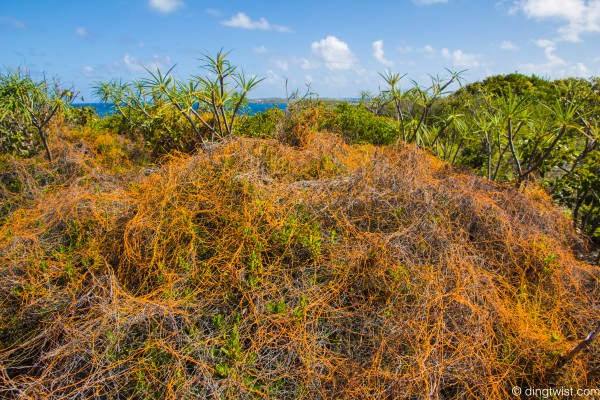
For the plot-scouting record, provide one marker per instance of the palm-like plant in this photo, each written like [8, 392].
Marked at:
[32, 103]
[425, 97]
[222, 92]
[397, 96]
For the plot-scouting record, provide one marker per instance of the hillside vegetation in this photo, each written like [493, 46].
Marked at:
[309, 254]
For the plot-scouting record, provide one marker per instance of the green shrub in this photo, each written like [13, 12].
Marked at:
[261, 125]
[81, 116]
[359, 125]
[161, 129]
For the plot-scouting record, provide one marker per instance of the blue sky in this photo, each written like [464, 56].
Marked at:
[337, 46]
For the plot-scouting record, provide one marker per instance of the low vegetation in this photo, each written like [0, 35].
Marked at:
[346, 251]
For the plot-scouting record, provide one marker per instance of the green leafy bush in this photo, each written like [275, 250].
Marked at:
[359, 125]
[261, 125]
[81, 116]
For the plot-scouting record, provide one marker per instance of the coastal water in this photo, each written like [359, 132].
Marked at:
[255, 108]
[103, 109]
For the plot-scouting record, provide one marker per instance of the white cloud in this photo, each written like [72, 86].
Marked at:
[273, 78]
[552, 63]
[427, 49]
[457, 57]
[543, 43]
[281, 28]
[243, 21]
[307, 64]
[551, 57]
[87, 70]
[565, 9]
[260, 50]
[334, 53]
[580, 16]
[428, 2]
[579, 69]
[131, 63]
[81, 31]
[508, 45]
[280, 64]
[379, 54]
[462, 59]
[166, 6]
[555, 67]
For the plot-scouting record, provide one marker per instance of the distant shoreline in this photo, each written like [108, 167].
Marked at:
[265, 100]
[253, 107]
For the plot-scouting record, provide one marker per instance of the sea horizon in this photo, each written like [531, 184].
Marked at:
[252, 108]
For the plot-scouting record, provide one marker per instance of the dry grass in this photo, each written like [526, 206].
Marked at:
[260, 270]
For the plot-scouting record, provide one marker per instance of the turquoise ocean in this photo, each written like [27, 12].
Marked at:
[103, 109]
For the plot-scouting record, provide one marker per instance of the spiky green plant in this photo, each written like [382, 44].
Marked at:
[28, 104]
[220, 93]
